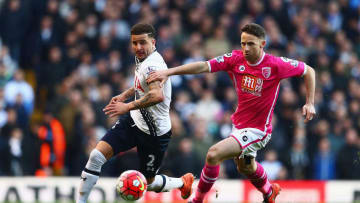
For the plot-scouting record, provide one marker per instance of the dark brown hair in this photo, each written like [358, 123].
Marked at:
[143, 28]
[254, 29]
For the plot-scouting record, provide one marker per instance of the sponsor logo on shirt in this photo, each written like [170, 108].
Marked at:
[150, 69]
[266, 72]
[220, 59]
[252, 85]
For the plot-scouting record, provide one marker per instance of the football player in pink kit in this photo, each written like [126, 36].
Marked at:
[256, 76]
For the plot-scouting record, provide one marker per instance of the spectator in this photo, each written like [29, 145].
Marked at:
[16, 152]
[19, 88]
[207, 108]
[53, 146]
[347, 164]
[9, 64]
[272, 165]
[201, 139]
[70, 111]
[334, 16]
[298, 160]
[104, 95]
[324, 162]
[12, 29]
[4, 75]
[185, 154]
[218, 44]
[114, 25]
[52, 72]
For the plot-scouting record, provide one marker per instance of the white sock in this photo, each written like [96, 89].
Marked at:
[90, 175]
[87, 182]
[96, 160]
[163, 183]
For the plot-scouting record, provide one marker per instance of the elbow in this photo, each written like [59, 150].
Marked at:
[157, 96]
[310, 71]
[160, 98]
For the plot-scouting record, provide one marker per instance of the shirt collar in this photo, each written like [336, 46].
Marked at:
[257, 63]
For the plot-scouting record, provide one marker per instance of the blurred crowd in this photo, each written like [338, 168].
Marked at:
[61, 61]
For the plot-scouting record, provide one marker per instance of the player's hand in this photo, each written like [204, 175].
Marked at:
[116, 99]
[157, 76]
[116, 109]
[309, 112]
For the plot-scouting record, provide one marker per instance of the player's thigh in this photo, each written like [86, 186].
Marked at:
[120, 137]
[225, 149]
[151, 151]
[250, 140]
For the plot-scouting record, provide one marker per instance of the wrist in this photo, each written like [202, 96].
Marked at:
[121, 96]
[169, 72]
[130, 106]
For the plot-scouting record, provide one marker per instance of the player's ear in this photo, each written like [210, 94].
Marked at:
[263, 43]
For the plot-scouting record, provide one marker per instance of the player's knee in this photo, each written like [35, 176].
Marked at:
[105, 149]
[96, 156]
[96, 160]
[212, 156]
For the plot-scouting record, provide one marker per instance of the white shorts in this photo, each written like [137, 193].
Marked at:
[250, 140]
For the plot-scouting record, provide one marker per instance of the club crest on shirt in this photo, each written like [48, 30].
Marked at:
[241, 68]
[266, 72]
[228, 54]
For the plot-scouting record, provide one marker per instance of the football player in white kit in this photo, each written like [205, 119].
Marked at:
[144, 123]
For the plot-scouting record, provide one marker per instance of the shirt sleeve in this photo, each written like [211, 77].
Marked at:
[147, 69]
[289, 67]
[221, 63]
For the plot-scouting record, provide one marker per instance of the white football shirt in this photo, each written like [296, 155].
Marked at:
[153, 120]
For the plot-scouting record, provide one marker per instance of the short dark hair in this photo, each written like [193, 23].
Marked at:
[143, 28]
[254, 29]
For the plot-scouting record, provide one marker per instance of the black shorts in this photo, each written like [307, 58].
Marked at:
[125, 135]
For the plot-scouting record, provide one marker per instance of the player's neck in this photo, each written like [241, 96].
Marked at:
[258, 60]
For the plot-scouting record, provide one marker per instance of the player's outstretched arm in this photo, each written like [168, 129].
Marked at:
[191, 68]
[308, 109]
